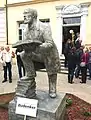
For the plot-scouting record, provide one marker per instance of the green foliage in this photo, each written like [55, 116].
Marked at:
[69, 102]
[86, 112]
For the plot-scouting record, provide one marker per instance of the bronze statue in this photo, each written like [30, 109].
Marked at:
[39, 46]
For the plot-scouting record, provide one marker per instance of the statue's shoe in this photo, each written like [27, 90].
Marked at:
[53, 95]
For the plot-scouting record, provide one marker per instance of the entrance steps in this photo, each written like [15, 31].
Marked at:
[63, 69]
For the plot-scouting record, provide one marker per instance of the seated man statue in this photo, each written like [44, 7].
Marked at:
[43, 52]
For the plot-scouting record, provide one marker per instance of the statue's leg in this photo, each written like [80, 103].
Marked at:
[27, 82]
[28, 65]
[52, 85]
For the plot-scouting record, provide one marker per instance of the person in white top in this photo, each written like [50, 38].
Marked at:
[7, 63]
[1, 51]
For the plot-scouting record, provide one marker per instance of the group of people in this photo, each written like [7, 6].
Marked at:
[6, 56]
[77, 59]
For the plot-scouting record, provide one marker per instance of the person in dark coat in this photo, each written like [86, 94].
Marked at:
[79, 52]
[67, 49]
[20, 63]
[71, 64]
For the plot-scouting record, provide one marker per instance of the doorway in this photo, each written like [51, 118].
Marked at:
[67, 35]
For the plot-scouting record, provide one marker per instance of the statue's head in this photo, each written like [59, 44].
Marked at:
[29, 15]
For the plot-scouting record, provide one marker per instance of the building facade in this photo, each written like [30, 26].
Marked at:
[62, 15]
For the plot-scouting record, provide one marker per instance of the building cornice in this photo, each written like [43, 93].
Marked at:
[30, 2]
[71, 9]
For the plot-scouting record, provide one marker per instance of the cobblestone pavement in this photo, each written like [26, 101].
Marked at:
[81, 90]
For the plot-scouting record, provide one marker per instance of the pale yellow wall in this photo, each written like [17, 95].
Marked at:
[88, 28]
[45, 10]
[17, 1]
[2, 3]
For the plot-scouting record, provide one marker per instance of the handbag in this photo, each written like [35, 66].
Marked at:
[82, 64]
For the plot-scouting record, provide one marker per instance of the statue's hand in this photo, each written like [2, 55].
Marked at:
[45, 47]
[22, 54]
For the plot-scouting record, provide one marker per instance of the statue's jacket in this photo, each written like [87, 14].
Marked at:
[49, 53]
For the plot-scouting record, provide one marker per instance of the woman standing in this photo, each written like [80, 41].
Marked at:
[84, 63]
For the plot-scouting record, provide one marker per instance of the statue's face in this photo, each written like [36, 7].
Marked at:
[28, 18]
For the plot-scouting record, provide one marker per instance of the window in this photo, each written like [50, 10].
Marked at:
[72, 20]
[20, 34]
[21, 30]
[45, 20]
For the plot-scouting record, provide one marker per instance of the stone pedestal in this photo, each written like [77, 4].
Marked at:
[48, 108]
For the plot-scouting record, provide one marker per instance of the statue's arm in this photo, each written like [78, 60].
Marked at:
[47, 37]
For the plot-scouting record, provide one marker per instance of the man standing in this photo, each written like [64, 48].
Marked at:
[7, 65]
[45, 53]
